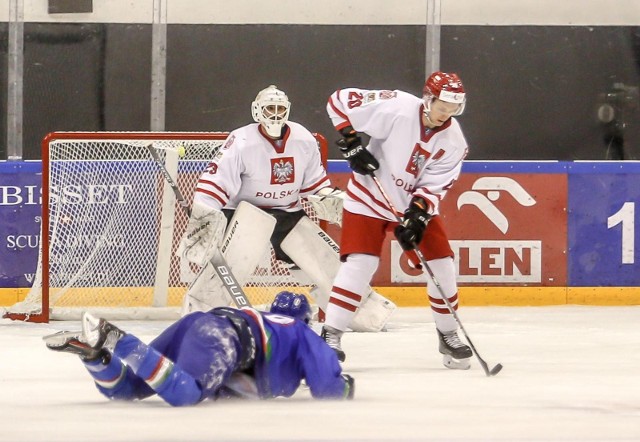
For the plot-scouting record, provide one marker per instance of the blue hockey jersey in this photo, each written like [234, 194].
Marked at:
[289, 351]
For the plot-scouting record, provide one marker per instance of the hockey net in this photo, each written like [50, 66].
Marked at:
[114, 225]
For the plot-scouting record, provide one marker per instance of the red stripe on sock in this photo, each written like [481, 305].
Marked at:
[442, 311]
[440, 301]
[347, 293]
[342, 304]
[156, 369]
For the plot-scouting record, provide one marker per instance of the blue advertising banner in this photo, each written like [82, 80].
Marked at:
[20, 220]
[601, 234]
[603, 226]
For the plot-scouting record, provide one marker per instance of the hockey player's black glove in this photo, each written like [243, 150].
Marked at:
[351, 385]
[409, 233]
[360, 159]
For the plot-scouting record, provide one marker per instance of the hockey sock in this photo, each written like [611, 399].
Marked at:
[169, 381]
[107, 376]
[444, 271]
[115, 381]
[350, 285]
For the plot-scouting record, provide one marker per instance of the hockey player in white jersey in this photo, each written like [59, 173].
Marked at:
[415, 151]
[271, 164]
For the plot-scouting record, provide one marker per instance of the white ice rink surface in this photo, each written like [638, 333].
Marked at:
[570, 374]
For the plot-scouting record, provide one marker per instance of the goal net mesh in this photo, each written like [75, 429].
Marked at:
[114, 225]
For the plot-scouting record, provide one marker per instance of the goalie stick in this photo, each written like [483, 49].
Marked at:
[495, 370]
[218, 262]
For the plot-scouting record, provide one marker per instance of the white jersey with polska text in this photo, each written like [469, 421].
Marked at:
[414, 160]
[270, 174]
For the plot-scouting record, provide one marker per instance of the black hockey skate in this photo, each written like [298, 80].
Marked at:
[455, 353]
[100, 333]
[69, 342]
[332, 337]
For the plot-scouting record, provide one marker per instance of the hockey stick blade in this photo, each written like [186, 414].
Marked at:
[495, 370]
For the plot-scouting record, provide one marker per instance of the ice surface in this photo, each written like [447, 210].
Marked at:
[570, 373]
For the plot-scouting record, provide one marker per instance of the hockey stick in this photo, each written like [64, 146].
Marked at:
[218, 262]
[495, 370]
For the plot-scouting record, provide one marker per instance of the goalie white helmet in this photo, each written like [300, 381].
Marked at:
[271, 109]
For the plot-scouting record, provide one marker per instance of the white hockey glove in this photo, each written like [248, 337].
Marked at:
[203, 234]
[327, 204]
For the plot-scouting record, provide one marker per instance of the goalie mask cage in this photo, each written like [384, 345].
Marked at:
[113, 226]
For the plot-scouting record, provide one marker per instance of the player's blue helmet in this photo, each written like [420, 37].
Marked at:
[291, 304]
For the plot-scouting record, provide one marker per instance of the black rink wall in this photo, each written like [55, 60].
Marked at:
[533, 91]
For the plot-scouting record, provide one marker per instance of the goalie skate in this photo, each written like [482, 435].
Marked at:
[455, 354]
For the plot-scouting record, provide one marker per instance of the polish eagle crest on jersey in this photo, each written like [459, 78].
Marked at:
[282, 170]
[418, 158]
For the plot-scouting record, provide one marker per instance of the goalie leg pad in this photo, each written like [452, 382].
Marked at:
[247, 239]
[373, 314]
[313, 250]
[205, 292]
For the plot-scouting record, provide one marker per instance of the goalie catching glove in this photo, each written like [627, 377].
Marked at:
[409, 233]
[327, 204]
[203, 234]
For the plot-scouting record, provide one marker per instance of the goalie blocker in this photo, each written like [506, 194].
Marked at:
[306, 244]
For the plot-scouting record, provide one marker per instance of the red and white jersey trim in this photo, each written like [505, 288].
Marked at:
[414, 160]
[267, 173]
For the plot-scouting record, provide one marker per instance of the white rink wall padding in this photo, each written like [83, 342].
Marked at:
[570, 373]
[358, 12]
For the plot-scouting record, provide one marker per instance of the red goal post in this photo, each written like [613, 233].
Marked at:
[114, 225]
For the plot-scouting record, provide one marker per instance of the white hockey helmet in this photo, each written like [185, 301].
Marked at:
[445, 87]
[271, 109]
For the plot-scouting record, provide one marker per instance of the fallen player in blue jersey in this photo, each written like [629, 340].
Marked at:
[225, 352]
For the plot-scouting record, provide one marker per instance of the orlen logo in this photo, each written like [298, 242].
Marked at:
[495, 187]
[495, 260]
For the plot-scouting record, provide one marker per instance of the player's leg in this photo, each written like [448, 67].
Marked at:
[360, 247]
[116, 381]
[110, 375]
[439, 256]
[350, 286]
[167, 378]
